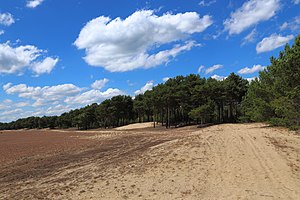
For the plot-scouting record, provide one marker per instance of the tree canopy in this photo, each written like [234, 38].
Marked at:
[275, 96]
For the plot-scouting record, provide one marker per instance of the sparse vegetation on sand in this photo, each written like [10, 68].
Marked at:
[227, 161]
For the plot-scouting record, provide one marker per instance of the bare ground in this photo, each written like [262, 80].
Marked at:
[230, 161]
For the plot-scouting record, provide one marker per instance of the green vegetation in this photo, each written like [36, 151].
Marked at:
[179, 101]
[274, 97]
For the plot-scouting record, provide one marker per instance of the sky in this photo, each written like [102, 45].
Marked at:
[58, 55]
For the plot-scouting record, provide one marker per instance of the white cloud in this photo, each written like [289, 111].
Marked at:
[250, 37]
[33, 3]
[6, 104]
[284, 26]
[16, 59]
[255, 68]
[296, 1]
[99, 84]
[2, 32]
[54, 97]
[252, 12]
[6, 19]
[204, 3]
[251, 79]
[200, 69]
[21, 104]
[6, 86]
[42, 95]
[49, 100]
[213, 68]
[8, 101]
[219, 78]
[273, 42]
[148, 86]
[121, 45]
[293, 25]
[10, 112]
[45, 66]
[55, 110]
[165, 79]
[93, 96]
[3, 106]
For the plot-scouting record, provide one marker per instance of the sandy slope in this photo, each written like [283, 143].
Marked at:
[219, 162]
[136, 126]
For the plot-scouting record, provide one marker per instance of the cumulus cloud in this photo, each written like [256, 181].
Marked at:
[272, 42]
[49, 100]
[45, 66]
[33, 3]
[55, 110]
[121, 45]
[148, 86]
[2, 32]
[252, 12]
[10, 112]
[213, 68]
[4, 106]
[42, 95]
[21, 104]
[93, 96]
[219, 78]
[6, 19]
[99, 84]
[16, 59]
[53, 96]
[6, 86]
[255, 68]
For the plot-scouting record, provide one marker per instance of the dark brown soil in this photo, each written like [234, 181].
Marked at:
[53, 159]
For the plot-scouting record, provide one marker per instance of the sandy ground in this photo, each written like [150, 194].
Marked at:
[230, 161]
[136, 126]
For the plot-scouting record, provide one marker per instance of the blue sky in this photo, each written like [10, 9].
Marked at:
[59, 55]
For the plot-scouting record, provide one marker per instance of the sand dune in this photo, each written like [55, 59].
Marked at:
[136, 126]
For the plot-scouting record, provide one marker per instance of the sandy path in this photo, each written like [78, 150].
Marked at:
[245, 165]
[219, 162]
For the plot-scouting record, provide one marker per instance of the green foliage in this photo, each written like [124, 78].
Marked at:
[179, 101]
[275, 96]
[204, 112]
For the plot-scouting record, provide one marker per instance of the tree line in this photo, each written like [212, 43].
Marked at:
[273, 97]
[177, 102]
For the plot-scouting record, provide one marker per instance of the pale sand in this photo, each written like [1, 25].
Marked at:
[229, 161]
[136, 126]
[219, 162]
